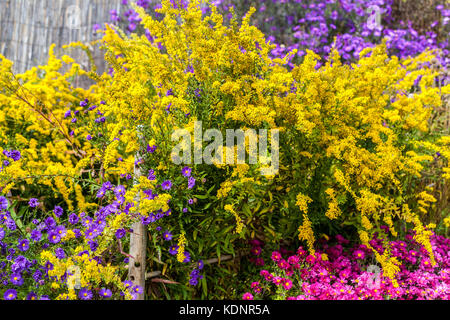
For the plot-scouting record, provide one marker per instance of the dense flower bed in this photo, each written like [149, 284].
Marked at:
[340, 271]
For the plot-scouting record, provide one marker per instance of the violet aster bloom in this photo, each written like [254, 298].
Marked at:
[15, 155]
[128, 284]
[137, 289]
[53, 237]
[105, 293]
[36, 235]
[173, 250]
[107, 185]
[33, 203]
[67, 114]
[88, 137]
[50, 222]
[16, 279]
[167, 236]
[166, 185]
[119, 191]
[120, 233]
[85, 294]
[11, 224]
[32, 296]
[93, 245]
[58, 211]
[2, 233]
[191, 183]
[5, 163]
[3, 203]
[101, 193]
[10, 294]
[151, 175]
[59, 253]
[24, 245]
[151, 149]
[73, 218]
[186, 171]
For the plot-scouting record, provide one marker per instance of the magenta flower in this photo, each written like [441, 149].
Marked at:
[247, 296]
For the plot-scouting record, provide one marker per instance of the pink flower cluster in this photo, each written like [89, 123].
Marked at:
[342, 272]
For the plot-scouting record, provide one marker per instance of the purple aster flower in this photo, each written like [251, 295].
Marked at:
[191, 201]
[151, 149]
[186, 171]
[101, 193]
[33, 203]
[193, 281]
[74, 120]
[2, 233]
[88, 137]
[96, 27]
[67, 114]
[58, 211]
[11, 224]
[32, 296]
[128, 284]
[166, 185]
[105, 293]
[93, 245]
[137, 290]
[191, 183]
[16, 279]
[147, 220]
[173, 250]
[187, 257]
[84, 103]
[200, 264]
[44, 297]
[73, 218]
[120, 191]
[10, 294]
[50, 222]
[77, 233]
[85, 294]
[36, 235]
[151, 175]
[24, 245]
[167, 236]
[59, 253]
[185, 210]
[107, 185]
[120, 233]
[3, 203]
[15, 155]
[53, 237]
[61, 230]
[5, 163]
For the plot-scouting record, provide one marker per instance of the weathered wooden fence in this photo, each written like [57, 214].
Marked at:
[29, 27]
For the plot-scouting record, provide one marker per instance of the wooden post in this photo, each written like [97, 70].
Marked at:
[138, 244]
